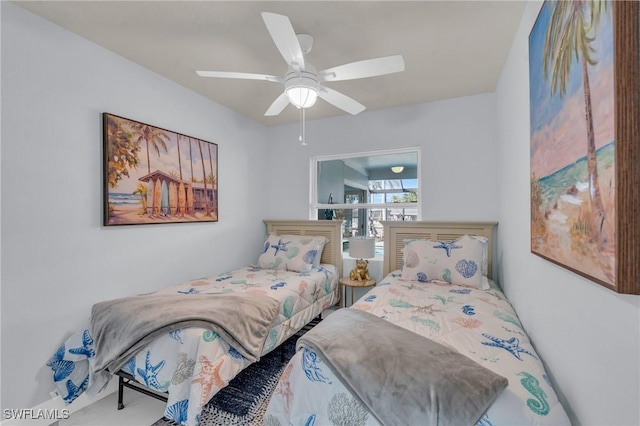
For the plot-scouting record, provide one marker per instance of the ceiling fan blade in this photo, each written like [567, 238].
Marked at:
[363, 69]
[242, 75]
[278, 105]
[341, 101]
[284, 37]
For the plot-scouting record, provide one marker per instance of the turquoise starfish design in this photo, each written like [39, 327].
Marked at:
[150, 372]
[447, 246]
[280, 246]
[86, 349]
[512, 345]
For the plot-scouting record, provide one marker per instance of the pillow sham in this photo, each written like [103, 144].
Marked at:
[460, 262]
[485, 249]
[297, 253]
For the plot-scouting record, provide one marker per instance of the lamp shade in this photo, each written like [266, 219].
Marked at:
[362, 248]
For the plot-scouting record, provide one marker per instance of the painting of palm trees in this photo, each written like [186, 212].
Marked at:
[153, 175]
[573, 137]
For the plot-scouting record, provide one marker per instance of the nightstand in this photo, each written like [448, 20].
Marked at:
[346, 282]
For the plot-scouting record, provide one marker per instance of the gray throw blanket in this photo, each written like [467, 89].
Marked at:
[121, 327]
[403, 379]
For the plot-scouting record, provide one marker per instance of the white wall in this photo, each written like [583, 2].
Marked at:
[588, 336]
[458, 142]
[57, 258]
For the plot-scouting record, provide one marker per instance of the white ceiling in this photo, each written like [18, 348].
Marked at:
[450, 48]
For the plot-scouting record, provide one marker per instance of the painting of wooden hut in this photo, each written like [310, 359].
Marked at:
[153, 175]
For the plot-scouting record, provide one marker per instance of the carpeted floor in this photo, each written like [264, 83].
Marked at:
[244, 401]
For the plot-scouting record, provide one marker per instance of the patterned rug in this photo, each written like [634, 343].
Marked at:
[244, 401]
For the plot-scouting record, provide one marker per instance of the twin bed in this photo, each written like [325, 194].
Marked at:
[474, 363]
[229, 320]
[364, 365]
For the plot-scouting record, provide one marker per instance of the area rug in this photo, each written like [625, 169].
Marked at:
[244, 401]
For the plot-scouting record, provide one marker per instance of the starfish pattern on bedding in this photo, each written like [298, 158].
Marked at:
[281, 246]
[209, 377]
[284, 387]
[447, 246]
[512, 345]
[150, 372]
[86, 349]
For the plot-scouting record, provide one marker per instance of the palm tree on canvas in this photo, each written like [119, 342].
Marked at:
[572, 29]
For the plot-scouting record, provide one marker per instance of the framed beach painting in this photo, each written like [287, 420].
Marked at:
[585, 140]
[152, 175]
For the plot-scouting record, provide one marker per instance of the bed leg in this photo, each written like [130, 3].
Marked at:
[120, 392]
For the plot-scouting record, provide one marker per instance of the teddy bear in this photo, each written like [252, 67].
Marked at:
[360, 273]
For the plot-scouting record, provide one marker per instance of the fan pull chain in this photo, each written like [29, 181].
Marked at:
[302, 137]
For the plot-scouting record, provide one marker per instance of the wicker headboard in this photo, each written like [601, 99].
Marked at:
[332, 229]
[396, 232]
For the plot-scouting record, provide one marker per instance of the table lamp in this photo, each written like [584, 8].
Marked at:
[361, 248]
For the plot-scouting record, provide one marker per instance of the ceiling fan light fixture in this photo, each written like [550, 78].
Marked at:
[302, 96]
[302, 87]
[397, 169]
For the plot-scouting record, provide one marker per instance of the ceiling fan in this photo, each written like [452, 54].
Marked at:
[303, 84]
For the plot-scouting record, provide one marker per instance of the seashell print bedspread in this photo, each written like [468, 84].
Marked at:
[480, 324]
[193, 364]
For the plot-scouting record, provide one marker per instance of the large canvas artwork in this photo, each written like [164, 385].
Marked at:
[584, 126]
[153, 175]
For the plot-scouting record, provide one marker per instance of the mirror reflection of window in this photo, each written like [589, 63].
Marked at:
[367, 188]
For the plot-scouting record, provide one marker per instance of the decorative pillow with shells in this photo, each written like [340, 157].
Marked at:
[297, 253]
[461, 262]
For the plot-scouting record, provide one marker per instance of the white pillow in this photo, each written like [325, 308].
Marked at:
[485, 249]
[459, 262]
[298, 253]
